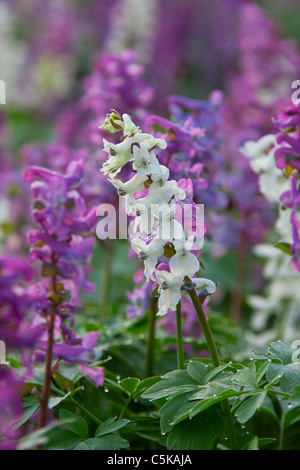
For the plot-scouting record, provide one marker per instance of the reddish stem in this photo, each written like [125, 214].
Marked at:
[48, 365]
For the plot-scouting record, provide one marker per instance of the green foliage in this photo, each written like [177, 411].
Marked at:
[177, 409]
[190, 399]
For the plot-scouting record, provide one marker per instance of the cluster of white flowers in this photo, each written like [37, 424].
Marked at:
[156, 229]
[282, 295]
[262, 161]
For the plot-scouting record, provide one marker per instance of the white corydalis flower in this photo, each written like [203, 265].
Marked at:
[122, 153]
[184, 262]
[257, 150]
[167, 227]
[262, 161]
[145, 162]
[155, 214]
[134, 185]
[170, 289]
[148, 253]
[130, 128]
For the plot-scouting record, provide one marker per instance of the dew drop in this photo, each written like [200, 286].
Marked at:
[163, 433]
[290, 405]
[106, 390]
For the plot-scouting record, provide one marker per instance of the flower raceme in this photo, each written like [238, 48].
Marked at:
[276, 159]
[159, 238]
[63, 243]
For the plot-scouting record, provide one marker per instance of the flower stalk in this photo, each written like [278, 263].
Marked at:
[48, 363]
[151, 338]
[180, 357]
[216, 361]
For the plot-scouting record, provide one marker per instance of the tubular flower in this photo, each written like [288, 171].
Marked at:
[159, 233]
[63, 243]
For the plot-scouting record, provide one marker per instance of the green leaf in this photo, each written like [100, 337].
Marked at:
[77, 424]
[91, 327]
[246, 377]
[175, 382]
[129, 385]
[62, 381]
[35, 438]
[292, 416]
[61, 439]
[282, 351]
[147, 383]
[295, 397]
[253, 445]
[283, 246]
[14, 363]
[54, 401]
[207, 403]
[213, 374]
[248, 407]
[112, 384]
[196, 434]
[261, 371]
[30, 404]
[110, 442]
[198, 371]
[283, 366]
[171, 408]
[289, 375]
[110, 426]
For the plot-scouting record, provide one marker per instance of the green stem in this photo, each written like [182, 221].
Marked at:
[281, 435]
[125, 407]
[180, 358]
[206, 328]
[87, 412]
[151, 338]
[129, 400]
[216, 361]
